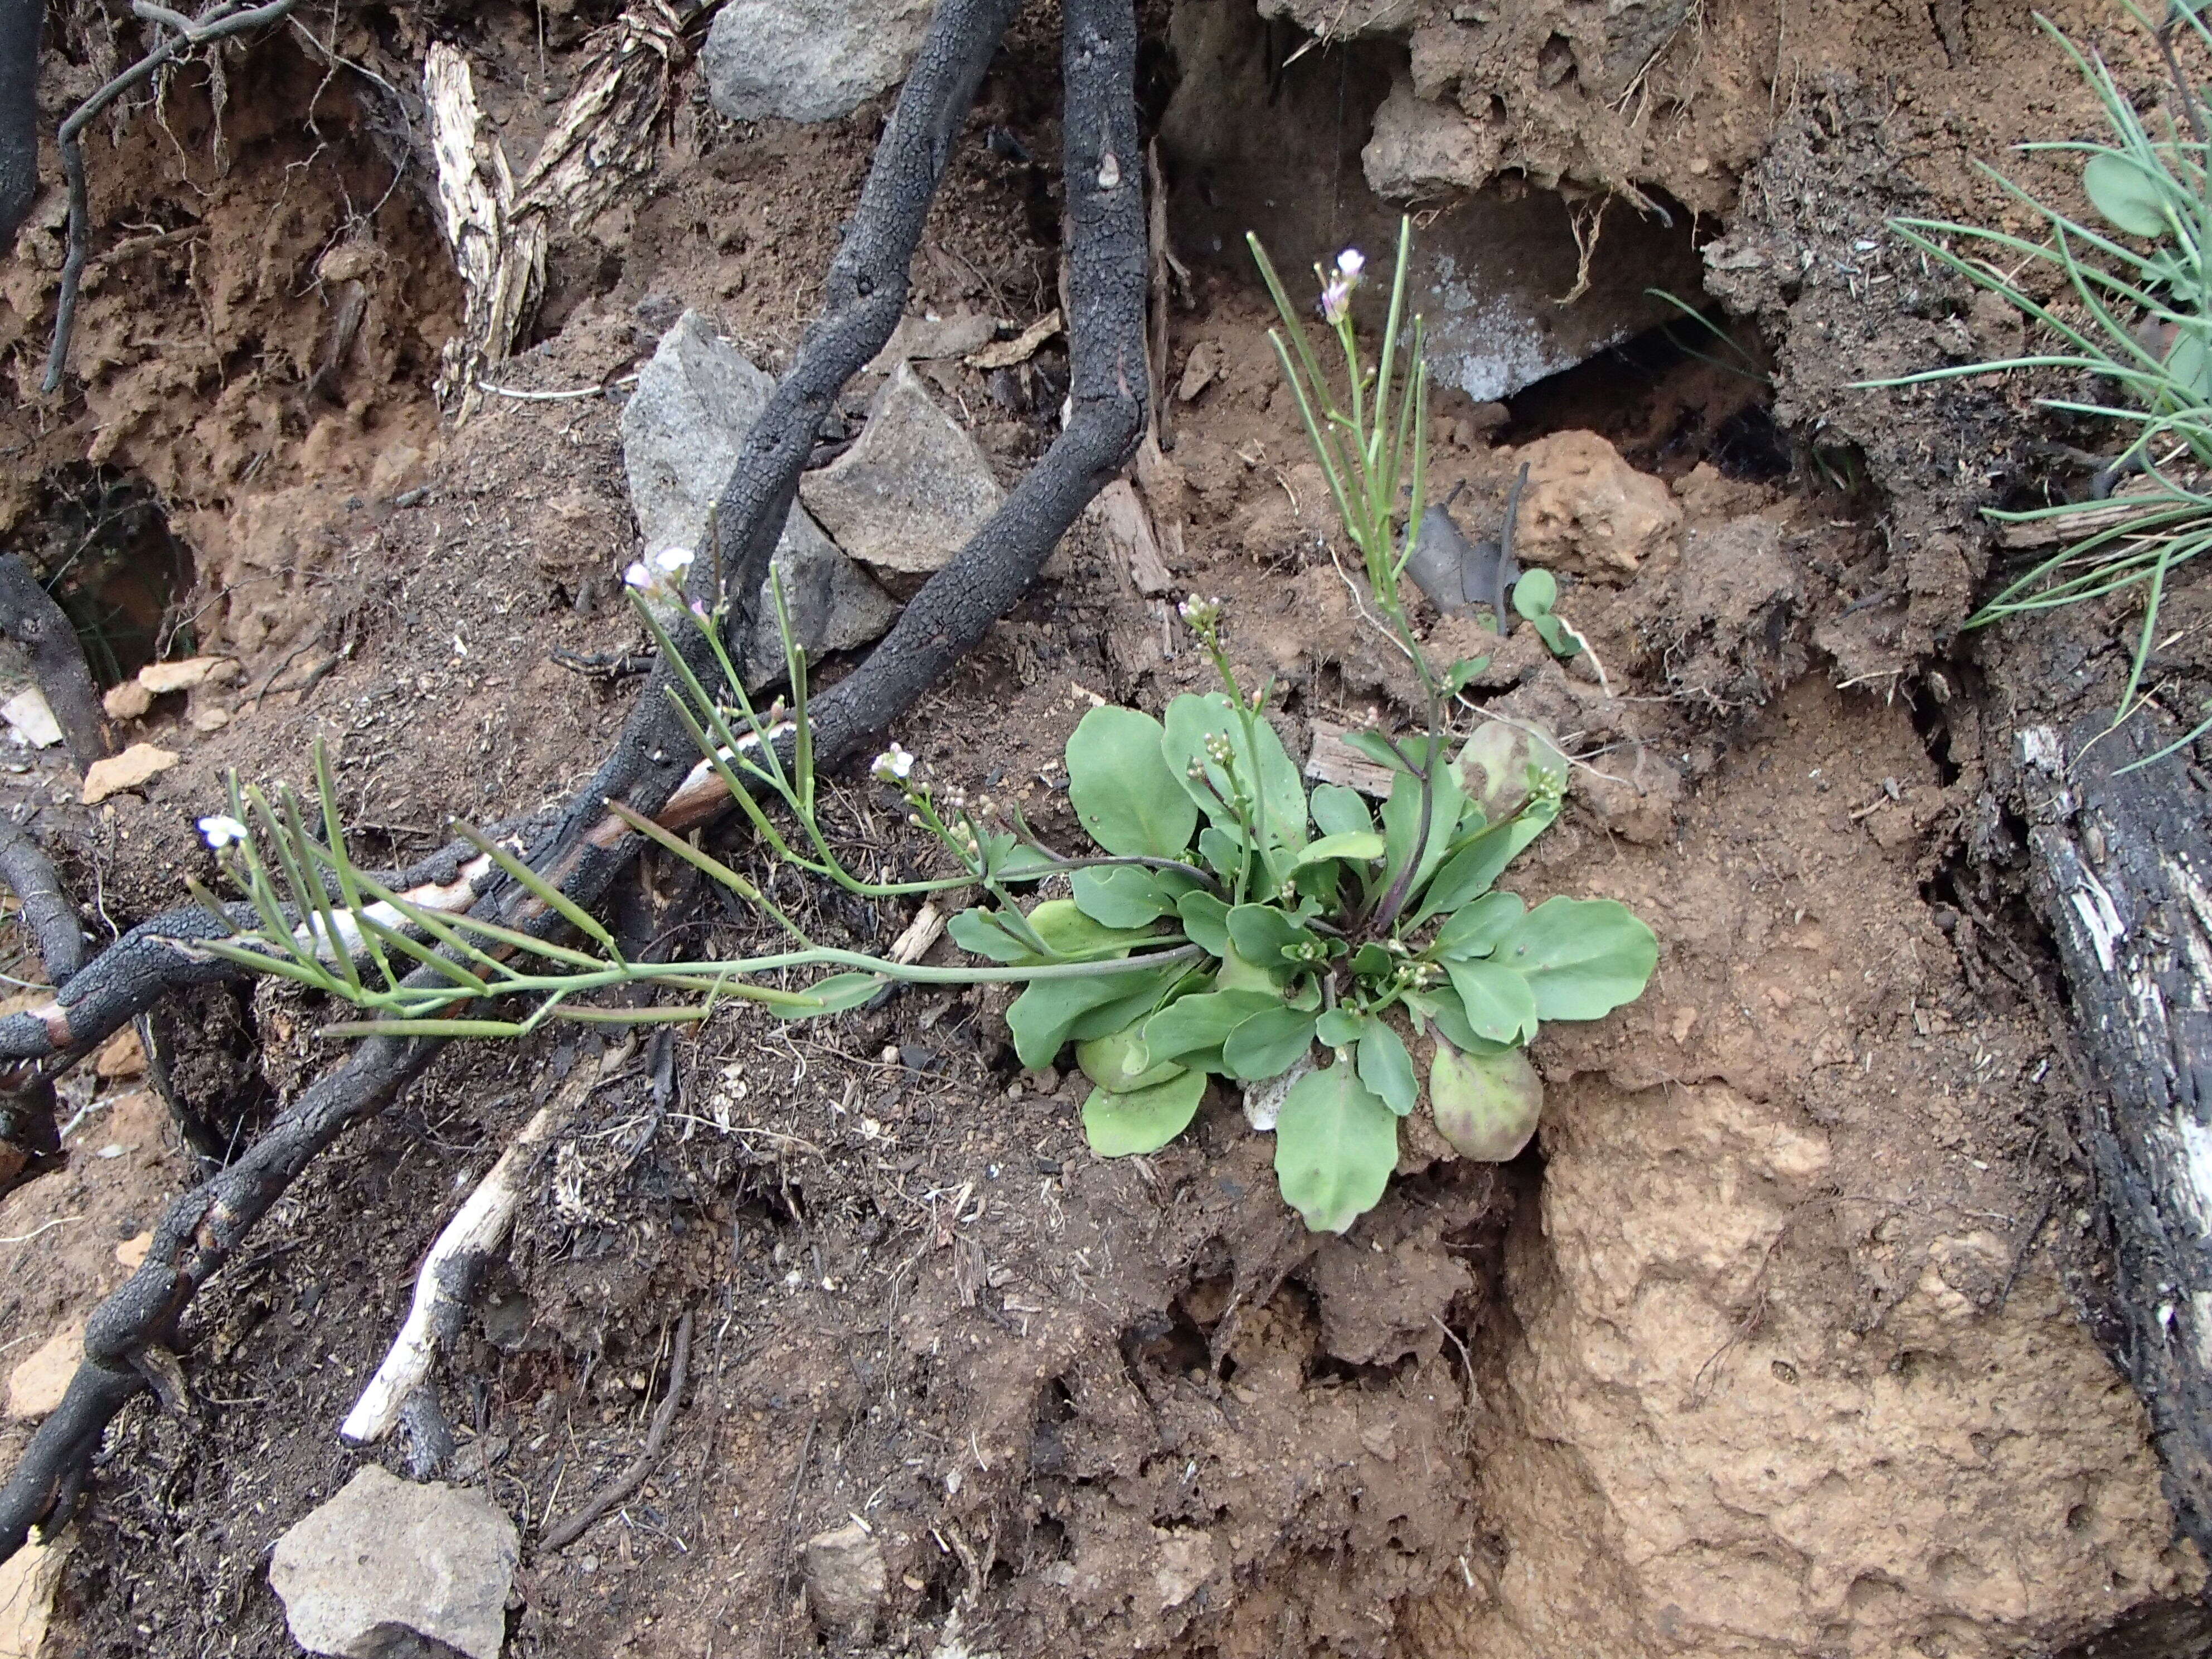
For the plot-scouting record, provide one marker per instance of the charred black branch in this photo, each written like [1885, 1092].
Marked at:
[2120, 860]
[46, 909]
[19, 22]
[867, 289]
[29, 617]
[157, 956]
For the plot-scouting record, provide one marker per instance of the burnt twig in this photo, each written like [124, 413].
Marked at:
[19, 22]
[641, 1465]
[47, 912]
[29, 617]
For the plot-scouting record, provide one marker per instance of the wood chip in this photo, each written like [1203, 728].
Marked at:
[1131, 527]
[1019, 349]
[2130, 499]
[1332, 760]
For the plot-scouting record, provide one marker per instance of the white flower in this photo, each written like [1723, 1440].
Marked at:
[1336, 293]
[221, 830]
[660, 574]
[1200, 614]
[894, 765]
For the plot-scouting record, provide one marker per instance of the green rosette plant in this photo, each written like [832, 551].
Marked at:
[1345, 966]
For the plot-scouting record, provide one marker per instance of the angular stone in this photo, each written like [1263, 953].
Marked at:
[1588, 512]
[128, 770]
[31, 719]
[29, 1579]
[905, 497]
[127, 702]
[695, 402]
[433, 1559]
[808, 60]
[122, 1055]
[846, 1577]
[160, 678]
[36, 1386]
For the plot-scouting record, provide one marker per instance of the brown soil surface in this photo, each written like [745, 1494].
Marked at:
[1770, 1348]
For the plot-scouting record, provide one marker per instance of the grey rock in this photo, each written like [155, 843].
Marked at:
[929, 338]
[386, 1558]
[808, 60]
[695, 402]
[846, 1577]
[907, 495]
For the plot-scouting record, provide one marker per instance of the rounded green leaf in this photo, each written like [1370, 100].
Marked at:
[1357, 846]
[1127, 800]
[1203, 1021]
[1107, 1061]
[1339, 1027]
[1260, 935]
[1581, 958]
[1191, 720]
[1499, 1005]
[1238, 974]
[2126, 193]
[1204, 921]
[1048, 1013]
[1126, 1125]
[978, 933]
[1387, 1068]
[1268, 1043]
[1061, 924]
[1122, 895]
[1335, 1145]
[1338, 811]
[1487, 1105]
[1474, 929]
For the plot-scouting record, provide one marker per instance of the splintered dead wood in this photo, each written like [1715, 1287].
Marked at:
[128, 1339]
[601, 143]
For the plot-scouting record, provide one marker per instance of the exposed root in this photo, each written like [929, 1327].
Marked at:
[443, 1284]
[634, 1477]
[219, 22]
[652, 764]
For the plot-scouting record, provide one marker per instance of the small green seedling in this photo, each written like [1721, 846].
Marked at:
[1533, 596]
